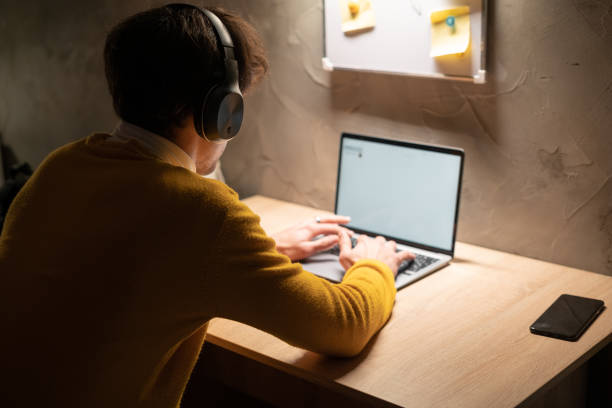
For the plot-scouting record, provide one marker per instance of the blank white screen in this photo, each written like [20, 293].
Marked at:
[399, 191]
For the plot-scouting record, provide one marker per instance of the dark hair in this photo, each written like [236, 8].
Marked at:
[159, 63]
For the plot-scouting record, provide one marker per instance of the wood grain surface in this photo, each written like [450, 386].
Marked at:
[458, 338]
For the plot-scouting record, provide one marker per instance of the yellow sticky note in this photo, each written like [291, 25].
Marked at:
[450, 31]
[357, 16]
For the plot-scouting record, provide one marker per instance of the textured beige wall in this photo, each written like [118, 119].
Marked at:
[537, 137]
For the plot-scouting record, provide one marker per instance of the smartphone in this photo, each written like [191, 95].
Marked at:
[568, 317]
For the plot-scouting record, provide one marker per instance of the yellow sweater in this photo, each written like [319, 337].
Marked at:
[113, 262]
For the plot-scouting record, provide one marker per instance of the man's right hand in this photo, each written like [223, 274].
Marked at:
[371, 248]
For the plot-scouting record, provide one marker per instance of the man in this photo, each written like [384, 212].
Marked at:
[116, 253]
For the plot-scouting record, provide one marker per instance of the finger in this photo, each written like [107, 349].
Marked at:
[392, 245]
[380, 239]
[405, 256]
[362, 238]
[325, 229]
[322, 244]
[334, 219]
[344, 242]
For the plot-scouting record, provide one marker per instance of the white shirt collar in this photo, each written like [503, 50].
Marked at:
[158, 146]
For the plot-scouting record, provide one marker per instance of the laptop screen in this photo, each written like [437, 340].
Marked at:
[405, 191]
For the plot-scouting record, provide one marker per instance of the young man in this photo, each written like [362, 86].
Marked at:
[117, 253]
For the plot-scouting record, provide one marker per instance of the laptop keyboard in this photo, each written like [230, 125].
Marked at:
[409, 267]
[418, 263]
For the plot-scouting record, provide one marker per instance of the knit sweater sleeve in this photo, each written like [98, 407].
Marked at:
[256, 285]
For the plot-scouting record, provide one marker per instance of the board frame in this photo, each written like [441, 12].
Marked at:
[478, 76]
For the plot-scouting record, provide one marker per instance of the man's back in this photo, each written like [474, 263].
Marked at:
[112, 262]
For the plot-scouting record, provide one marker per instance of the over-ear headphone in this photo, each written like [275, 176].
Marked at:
[219, 114]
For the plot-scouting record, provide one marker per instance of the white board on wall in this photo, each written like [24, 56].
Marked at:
[400, 42]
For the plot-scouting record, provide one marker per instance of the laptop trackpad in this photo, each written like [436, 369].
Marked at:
[324, 265]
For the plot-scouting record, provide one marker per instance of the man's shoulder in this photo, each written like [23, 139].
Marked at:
[191, 188]
[130, 172]
[137, 178]
[194, 183]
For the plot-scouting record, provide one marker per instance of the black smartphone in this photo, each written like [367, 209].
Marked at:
[568, 317]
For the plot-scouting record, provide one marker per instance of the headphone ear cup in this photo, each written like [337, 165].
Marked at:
[222, 114]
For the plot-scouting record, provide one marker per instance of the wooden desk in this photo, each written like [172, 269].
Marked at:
[458, 338]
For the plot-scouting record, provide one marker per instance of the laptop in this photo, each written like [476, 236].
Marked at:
[403, 191]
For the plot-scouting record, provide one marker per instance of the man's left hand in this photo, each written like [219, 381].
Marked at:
[297, 241]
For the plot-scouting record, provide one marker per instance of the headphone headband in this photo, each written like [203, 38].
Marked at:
[221, 32]
[223, 35]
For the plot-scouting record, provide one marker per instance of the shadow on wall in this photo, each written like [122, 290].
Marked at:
[431, 103]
